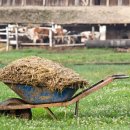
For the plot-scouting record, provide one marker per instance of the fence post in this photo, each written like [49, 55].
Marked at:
[93, 31]
[50, 37]
[119, 2]
[13, 3]
[16, 35]
[7, 37]
[44, 2]
[67, 3]
[91, 2]
[23, 2]
[107, 2]
[77, 2]
[0, 2]
[8, 2]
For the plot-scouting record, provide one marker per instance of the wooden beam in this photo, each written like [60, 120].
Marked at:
[16, 35]
[8, 2]
[107, 2]
[77, 2]
[7, 37]
[13, 2]
[120, 2]
[67, 2]
[50, 37]
[23, 2]
[44, 2]
[0, 2]
[90, 2]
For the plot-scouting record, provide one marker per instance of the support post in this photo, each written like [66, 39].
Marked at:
[50, 38]
[76, 109]
[77, 2]
[50, 113]
[7, 37]
[107, 2]
[67, 2]
[8, 2]
[69, 38]
[119, 2]
[91, 2]
[16, 35]
[44, 2]
[93, 31]
[102, 30]
[23, 2]
[13, 3]
[0, 2]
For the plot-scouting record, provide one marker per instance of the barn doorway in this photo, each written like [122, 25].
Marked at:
[97, 2]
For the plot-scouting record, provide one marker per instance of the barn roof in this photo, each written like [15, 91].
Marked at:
[66, 15]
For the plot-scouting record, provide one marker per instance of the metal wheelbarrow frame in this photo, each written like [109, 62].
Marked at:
[20, 108]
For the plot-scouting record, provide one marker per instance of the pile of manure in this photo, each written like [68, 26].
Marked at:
[40, 72]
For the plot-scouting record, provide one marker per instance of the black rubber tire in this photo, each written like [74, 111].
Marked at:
[21, 113]
[24, 113]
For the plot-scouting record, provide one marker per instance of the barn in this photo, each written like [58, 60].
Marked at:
[79, 15]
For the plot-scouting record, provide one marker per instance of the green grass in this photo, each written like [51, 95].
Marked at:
[80, 56]
[106, 109]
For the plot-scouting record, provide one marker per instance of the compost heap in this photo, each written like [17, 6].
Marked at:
[39, 72]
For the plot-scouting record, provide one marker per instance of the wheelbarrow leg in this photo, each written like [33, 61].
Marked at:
[76, 109]
[50, 113]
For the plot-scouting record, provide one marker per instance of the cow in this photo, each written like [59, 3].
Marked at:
[88, 35]
[36, 34]
[41, 34]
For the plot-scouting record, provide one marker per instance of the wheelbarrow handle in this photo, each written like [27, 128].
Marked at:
[120, 76]
[97, 86]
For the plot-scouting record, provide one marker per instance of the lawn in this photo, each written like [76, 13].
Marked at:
[108, 108]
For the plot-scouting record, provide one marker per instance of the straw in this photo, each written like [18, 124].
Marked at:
[40, 72]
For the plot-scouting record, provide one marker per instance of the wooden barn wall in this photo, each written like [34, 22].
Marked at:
[126, 2]
[61, 2]
[113, 2]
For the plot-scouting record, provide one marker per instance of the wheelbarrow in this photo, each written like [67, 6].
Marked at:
[36, 97]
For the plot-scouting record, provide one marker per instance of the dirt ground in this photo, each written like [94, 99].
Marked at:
[2, 47]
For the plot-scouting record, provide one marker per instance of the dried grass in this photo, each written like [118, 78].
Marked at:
[39, 72]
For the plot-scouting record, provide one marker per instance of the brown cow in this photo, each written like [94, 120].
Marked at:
[40, 34]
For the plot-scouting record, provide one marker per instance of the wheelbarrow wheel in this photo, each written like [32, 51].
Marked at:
[21, 113]
[24, 113]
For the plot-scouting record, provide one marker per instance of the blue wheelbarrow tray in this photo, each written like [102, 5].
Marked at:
[40, 95]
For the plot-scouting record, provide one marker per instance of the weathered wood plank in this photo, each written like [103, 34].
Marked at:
[23, 3]
[0, 2]
[13, 2]
[107, 2]
[120, 2]
[44, 2]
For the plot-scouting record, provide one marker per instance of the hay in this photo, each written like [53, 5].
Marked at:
[39, 72]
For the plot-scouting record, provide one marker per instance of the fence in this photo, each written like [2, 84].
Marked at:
[5, 32]
[12, 39]
[62, 2]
